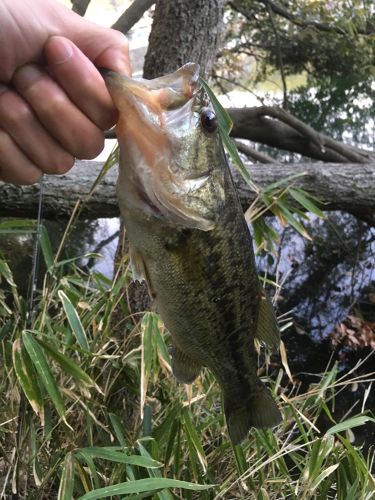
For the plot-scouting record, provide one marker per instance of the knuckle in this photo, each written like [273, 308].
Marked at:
[13, 108]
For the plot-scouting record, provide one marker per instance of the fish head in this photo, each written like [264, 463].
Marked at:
[171, 159]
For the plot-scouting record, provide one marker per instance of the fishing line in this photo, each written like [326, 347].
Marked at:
[29, 320]
[35, 260]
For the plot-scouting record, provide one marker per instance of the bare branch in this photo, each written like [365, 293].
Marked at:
[288, 133]
[80, 6]
[132, 15]
[254, 155]
[279, 58]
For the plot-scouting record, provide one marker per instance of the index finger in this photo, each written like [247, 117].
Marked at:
[81, 81]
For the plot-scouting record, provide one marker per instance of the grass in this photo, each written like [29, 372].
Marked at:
[90, 369]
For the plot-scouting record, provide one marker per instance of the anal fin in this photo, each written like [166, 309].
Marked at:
[184, 368]
[267, 330]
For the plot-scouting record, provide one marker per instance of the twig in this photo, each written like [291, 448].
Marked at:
[253, 154]
[279, 58]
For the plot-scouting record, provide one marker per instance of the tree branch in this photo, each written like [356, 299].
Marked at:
[252, 154]
[279, 58]
[238, 6]
[80, 6]
[286, 132]
[132, 15]
[346, 186]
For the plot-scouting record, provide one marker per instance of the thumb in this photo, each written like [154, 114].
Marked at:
[103, 46]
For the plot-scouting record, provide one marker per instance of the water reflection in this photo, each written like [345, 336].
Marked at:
[323, 278]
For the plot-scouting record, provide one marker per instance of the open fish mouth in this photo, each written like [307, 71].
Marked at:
[157, 129]
[165, 93]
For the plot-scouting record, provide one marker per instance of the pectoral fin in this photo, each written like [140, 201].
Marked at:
[137, 265]
[267, 330]
[139, 270]
[185, 369]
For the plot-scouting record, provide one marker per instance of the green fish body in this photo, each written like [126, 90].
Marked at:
[190, 242]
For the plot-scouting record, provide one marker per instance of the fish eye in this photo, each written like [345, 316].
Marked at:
[208, 120]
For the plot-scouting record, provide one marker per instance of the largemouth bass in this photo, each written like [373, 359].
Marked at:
[189, 240]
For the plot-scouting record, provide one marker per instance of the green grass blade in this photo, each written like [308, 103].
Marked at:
[140, 486]
[44, 372]
[67, 365]
[350, 423]
[27, 377]
[116, 455]
[74, 321]
[193, 438]
[323, 475]
[67, 478]
[18, 226]
[224, 120]
[225, 125]
[45, 245]
[7, 273]
[306, 201]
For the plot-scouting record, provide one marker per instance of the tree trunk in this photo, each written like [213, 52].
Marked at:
[344, 186]
[184, 31]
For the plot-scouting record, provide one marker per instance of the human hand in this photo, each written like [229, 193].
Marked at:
[54, 105]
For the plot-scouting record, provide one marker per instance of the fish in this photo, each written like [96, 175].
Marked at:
[188, 239]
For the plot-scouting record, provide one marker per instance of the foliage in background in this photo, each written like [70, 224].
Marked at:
[82, 367]
[320, 38]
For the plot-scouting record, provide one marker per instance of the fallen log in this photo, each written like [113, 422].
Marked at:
[346, 186]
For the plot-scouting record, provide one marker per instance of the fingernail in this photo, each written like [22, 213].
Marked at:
[60, 50]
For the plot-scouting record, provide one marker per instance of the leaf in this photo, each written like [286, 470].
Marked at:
[68, 365]
[27, 378]
[224, 120]
[282, 182]
[18, 226]
[7, 273]
[141, 485]
[350, 423]
[225, 125]
[280, 205]
[306, 201]
[42, 367]
[194, 438]
[116, 454]
[67, 478]
[325, 473]
[74, 321]
[45, 245]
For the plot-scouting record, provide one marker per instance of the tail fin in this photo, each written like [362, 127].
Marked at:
[260, 410]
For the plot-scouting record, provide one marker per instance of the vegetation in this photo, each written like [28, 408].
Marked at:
[88, 375]
[89, 407]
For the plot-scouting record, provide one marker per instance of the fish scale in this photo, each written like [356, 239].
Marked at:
[189, 239]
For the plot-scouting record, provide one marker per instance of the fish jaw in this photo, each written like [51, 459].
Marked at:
[158, 124]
